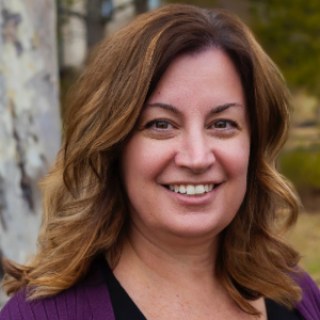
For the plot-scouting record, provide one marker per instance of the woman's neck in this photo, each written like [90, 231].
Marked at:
[176, 276]
[172, 259]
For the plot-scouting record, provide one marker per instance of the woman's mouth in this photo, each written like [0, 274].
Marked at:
[191, 190]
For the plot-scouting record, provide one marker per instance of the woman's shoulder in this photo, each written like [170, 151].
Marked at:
[88, 300]
[309, 306]
[61, 306]
[69, 304]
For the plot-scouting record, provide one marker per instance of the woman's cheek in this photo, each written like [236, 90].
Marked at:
[145, 158]
[235, 157]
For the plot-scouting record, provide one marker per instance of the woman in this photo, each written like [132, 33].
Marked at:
[167, 177]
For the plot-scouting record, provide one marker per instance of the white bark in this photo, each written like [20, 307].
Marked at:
[74, 45]
[29, 119]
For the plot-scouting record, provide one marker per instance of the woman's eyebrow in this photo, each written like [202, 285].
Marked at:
[165, 106]
[223, 107]
[170, 107]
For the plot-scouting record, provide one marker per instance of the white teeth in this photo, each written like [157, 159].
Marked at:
[190, 189]
[199, 189]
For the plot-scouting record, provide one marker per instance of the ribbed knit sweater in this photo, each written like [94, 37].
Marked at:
[90, 300]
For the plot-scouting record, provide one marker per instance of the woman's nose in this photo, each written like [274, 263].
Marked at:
[195, 153]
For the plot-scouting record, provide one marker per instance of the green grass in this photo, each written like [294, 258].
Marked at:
[302, 167]
[305, 237]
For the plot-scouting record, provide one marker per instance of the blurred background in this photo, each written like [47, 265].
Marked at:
[44, 46]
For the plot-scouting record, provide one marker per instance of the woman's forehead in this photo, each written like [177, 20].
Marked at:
[207, 78]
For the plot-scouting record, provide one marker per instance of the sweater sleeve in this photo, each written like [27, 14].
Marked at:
[68, 305]
[309, 306]
[17, 308]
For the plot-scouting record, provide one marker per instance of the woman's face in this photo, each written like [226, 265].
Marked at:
[185, 167]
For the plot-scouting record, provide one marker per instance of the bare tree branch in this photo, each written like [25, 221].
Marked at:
[67, 12]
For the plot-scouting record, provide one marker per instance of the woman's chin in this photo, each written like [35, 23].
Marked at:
[192, 229]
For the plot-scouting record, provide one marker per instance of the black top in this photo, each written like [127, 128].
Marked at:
[125, 309]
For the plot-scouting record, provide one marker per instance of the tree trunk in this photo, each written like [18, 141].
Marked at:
[94, 23]
[29, 119]
[141, 6]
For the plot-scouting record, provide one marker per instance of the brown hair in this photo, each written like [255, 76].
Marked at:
[84, 204]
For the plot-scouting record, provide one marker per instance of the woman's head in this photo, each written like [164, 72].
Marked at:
[126, 69]
[84, 197]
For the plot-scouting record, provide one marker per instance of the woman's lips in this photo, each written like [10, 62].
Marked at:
[193, 198]
[191, 189]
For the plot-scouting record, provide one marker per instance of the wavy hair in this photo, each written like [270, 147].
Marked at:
[84, 203]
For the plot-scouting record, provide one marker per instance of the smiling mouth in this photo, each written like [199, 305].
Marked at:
[191, 190]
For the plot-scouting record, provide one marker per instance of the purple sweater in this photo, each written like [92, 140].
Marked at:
[88, 301]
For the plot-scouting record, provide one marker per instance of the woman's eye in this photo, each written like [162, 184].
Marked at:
[162, 125]
[159, 124]
[223, 124]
